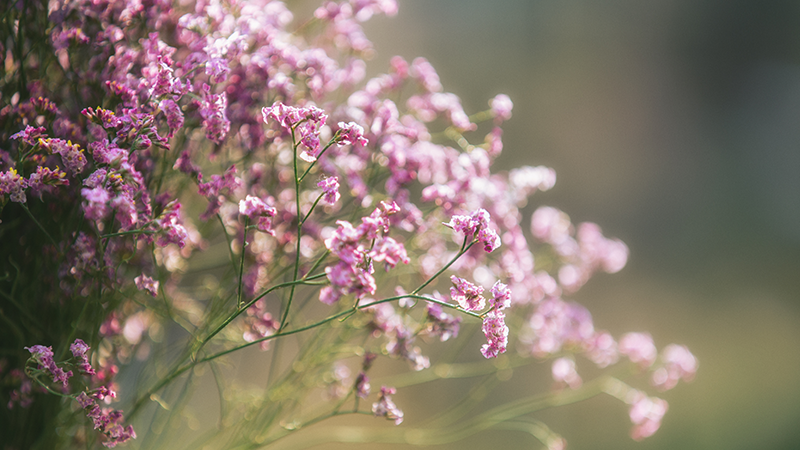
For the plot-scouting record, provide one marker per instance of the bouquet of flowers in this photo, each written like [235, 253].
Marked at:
[190, 187]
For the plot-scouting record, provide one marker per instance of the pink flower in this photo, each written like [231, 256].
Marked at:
[258, 211]
[71, 154]
[678, 363]
[145, 283]
[476, 225]
[30, 135]
[330, 189]
[385, 407]
[303, 123]
[496, 332]
[564, 372]
[442, 324]
[213, 109]
[351, 133]
[501, 107]
[467, 295]
[639, 348]
[43, 356]
[79, 349]
[646, 414]
[501, 296]
[13, 185]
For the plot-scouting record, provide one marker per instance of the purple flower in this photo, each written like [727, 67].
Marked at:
[330, 189]
[145, 283]
[30, 135]
[646, 414]
[44, 359]
[496, 332]
[173, 113]
[501, 107]
[442, 324]
[678, 363]
[258, 211]
[639, 348]
[79, 349]
[467, 295]
[351, 133]
[477, 226]
[385, 407]
[71, 154]
[13, 185]
[362, 385]
[213, 110]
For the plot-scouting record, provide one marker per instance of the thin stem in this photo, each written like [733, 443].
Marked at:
[285, 316]
[464, 249]
[308, 214]
[313, 163]
[227, 238]
[241, 265]
[125, 233]
[53, 241]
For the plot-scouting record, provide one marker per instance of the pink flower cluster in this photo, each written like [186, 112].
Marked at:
[357, 248]
[494, 322]
[108, 422]
[476, 225]
[385, 407]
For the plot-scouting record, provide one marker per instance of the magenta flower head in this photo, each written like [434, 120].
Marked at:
[496, 332]
[13, 185]
[145, 283]
[501, 107]
[476, 225]
[43, 356]
[678, 363]
[467, 295]
[385, 407]
[330, 190]
[350, 134]
[646, 414]
[258, 211]
[303, 123]
[79, 350]
[639, 348]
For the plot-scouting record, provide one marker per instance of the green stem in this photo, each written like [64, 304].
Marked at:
[333, 139]
[53, 241]
[464, 249]
[285, 315]
[241, 265]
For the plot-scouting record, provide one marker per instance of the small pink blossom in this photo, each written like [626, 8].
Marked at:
[564, 372]
[13, 185]
[496, 332]
[678, 363]
[79, 350]
[639, 348]
[258, 211]
[501, 296]
[350, 134]
[330, 190]
[501, 107]
[646, 414]
[467, 295]
[43, 356]
[145, 283]
[385, 407]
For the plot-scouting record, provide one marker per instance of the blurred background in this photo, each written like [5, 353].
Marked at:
[675, 126]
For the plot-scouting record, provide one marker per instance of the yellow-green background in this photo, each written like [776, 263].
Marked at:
[675, 125]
